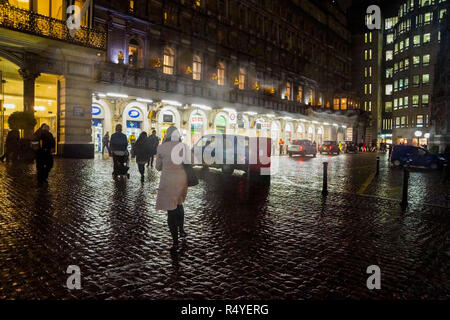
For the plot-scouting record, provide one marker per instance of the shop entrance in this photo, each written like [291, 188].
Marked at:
[97, 134]
[196, 127]
[45, 103]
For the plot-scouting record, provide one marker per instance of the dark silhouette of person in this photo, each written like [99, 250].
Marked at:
[154, 142]
[142, 151]
[12, 145]
[105, 142]
[118, 145]
[45, 146]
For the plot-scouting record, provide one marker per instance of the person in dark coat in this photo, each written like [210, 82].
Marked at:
[105, 142]
[142, 151]
[118, 145]
[12, 145]
[45, 147]
[154, 142]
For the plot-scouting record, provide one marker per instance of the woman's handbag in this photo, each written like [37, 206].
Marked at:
[192, 179]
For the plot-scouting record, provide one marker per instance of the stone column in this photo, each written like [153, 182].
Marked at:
[29, 80]
[75, 118]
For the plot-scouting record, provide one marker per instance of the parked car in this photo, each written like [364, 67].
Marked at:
[329, 147]
[350, 146]
[415, 156]
[302, 148]
[249, 154]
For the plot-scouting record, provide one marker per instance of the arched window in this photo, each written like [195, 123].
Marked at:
[221, 74]
[133, 51]
[197, 68]
[169, 61]
[241, 78]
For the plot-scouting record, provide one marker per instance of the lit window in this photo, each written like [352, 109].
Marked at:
[198, 3]
[390, 38]
[406, 100]
[416, 60]
[415, 101]
[344, 104]
[416, 40]
[425, 78]
[442, 14]
[131, 6]
[133, 49]
[22, 4]
[389, 89]
[419, 121]
[426, 38]
[425, 100]
[428, 17]
[416, 80]
[221, 74]
[242, 80]
[287, 93]
[388, 106]
[389, 55]
[389, 72]
[197, 68]
[169, 61]
[395, 104]
[426, 60]
[300, 94]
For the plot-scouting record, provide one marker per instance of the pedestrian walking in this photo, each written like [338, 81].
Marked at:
[142, 151]
[154, 142]
[12, 145]
[119, 145]
[281, 144]
[173, 184]
[44, 145]
[105, 142]
[132, 141]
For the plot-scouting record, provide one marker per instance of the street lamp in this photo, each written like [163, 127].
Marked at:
[418, 134]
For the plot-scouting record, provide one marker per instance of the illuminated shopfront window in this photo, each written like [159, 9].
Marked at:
[133, 51]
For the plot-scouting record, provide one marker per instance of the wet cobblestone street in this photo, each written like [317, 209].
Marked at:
[244, 241]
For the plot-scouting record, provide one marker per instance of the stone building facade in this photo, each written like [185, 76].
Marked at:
[279, 69]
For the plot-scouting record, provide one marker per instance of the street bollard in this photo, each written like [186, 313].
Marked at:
[325, 179]
[404, 202]
[378, 165]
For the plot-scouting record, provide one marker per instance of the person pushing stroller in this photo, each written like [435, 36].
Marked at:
[119, 144]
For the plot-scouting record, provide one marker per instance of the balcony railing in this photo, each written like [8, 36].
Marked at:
[30, 22]
[124, 75]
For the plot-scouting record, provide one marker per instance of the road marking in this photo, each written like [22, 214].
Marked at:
[366, 183]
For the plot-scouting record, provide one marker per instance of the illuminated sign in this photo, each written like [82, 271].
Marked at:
[133, 113]
[96, 110]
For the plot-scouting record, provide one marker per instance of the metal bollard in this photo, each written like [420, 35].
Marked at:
[325, 179]
[378, 165]
[404, 202]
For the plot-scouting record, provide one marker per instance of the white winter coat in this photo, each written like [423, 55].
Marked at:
[173, 181]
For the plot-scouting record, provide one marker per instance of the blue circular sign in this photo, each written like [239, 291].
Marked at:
[96, 110]
[133, 113]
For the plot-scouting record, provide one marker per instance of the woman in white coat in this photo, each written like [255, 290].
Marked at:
[173, 183]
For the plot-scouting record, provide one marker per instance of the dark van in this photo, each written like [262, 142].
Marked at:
[415, 156]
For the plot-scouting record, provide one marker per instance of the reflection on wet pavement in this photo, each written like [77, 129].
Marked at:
[247, 241]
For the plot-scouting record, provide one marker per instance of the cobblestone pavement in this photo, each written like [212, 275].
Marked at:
[245, 242]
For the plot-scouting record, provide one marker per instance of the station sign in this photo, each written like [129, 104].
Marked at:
[233, 117]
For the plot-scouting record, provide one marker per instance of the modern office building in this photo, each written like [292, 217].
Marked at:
[410, 47]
